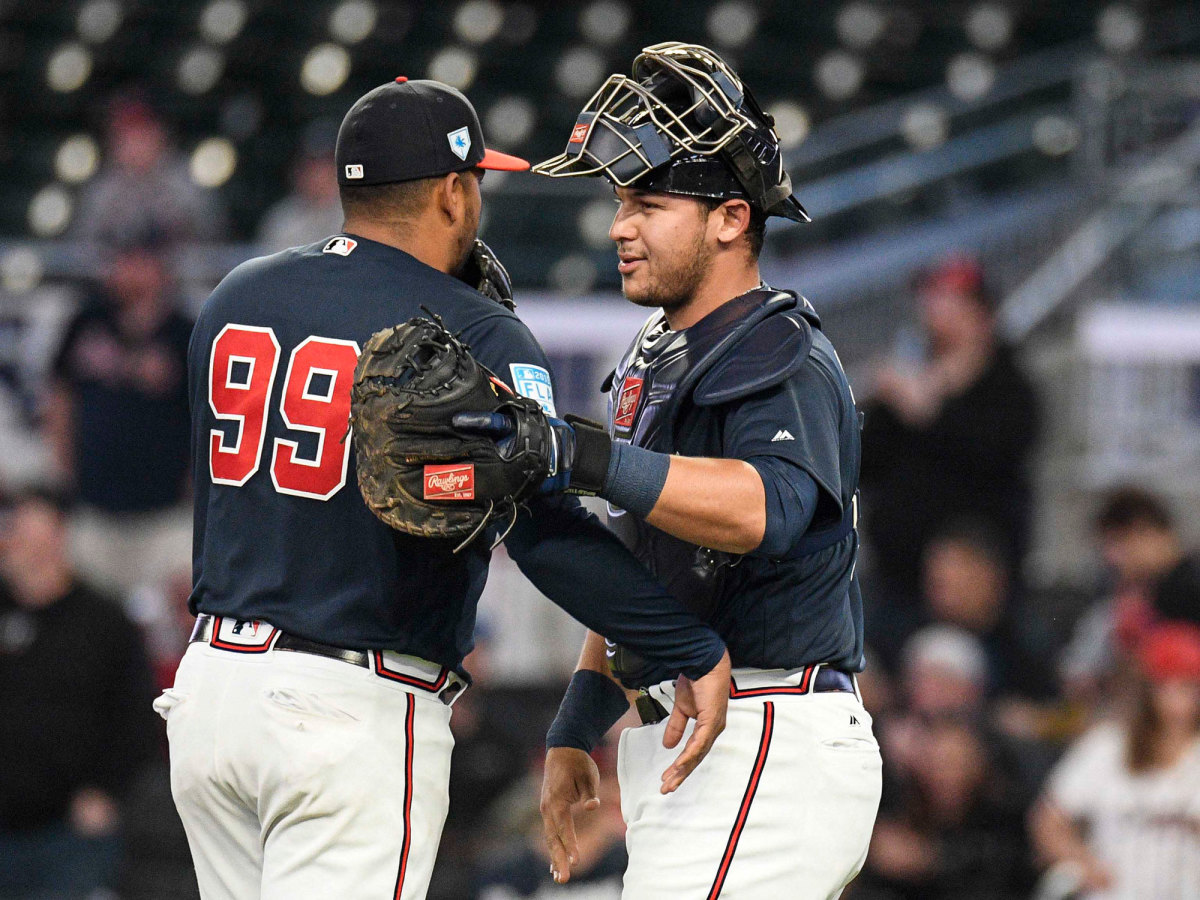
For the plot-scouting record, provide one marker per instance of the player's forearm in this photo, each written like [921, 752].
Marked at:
[718, 503]
[582, 567]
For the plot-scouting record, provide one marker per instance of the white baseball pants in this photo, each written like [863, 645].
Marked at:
[304, 778]
[782, 808]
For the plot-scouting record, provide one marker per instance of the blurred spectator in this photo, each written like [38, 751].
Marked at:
[117, 418]
[946, 435]
[1121, 812]
[144, 192]
[312, 210]
[966, 583]
[75, 689]
[950, 828]
[522, 872]
[945, 672]
[1148, 574]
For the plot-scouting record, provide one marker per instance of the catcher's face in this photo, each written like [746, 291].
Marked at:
[664, 246]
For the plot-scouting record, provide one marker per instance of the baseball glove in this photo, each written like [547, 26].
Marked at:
[416, 470]
[484, 272]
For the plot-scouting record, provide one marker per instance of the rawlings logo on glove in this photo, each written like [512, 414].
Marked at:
[417, 471]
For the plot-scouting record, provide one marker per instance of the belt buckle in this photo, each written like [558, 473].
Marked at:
[649, 710]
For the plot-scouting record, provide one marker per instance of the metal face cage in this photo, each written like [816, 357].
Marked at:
[682, 99]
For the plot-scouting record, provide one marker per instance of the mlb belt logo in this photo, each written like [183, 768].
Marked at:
[247, 635]
[450, 482]
[627, 403]
[579, 133]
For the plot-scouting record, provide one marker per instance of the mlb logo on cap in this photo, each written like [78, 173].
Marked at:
[354, 171]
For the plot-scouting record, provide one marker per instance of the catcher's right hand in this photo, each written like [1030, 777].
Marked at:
[417, 471]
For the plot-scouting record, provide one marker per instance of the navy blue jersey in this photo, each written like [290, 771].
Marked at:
[281, 530]
[772, 613]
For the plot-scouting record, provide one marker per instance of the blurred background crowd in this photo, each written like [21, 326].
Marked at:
[1006, 250]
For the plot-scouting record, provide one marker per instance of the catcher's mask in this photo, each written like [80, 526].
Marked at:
[683, 124]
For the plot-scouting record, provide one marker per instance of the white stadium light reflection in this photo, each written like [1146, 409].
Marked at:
[353, 21]
[223, 20]
[925, 126]
[839, 75]
[732, 23]
[77, 159]
[50, 211]
[325, 69]
[478, 21]
[69, 67]
[454, 66]
[213, 162]
[594, 221]
[859, 25]
[579, 71]
[605, 22]
[1119, 28]
[509, 121]
[98, 20]
[792, 123]
[199, 70]
[969, 76]
[21, 270]
[989, 26]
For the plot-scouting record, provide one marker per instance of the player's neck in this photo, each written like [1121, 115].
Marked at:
[413, 238]
[722, 284]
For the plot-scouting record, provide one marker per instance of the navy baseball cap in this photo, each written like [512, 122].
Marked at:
[404, 130]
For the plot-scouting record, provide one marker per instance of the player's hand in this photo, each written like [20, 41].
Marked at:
[571, 776]
[705, 700]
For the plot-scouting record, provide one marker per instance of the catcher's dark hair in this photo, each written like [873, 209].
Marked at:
[398, 200]
[1128, 505]
[756, 231]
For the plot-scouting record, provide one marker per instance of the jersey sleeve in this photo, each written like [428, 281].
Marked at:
[797, 421]
[583, 568]
[505, 345]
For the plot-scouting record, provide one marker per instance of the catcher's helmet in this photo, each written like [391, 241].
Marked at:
[683, 124]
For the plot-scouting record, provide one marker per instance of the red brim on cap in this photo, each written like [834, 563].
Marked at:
[493, 159]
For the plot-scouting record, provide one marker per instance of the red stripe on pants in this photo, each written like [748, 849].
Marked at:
[739, 824]
[408, 781]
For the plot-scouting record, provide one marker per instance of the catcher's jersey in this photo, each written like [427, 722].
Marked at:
[281, 531]
[772, 613]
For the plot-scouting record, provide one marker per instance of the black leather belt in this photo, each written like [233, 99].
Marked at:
[445, 687]
[203, 629]
[825, 681]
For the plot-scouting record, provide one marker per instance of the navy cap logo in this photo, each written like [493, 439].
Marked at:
[460, 142]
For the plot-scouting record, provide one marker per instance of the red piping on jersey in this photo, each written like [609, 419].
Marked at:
[736, 693]
[735, 835]
[408, 793]
[435, 685]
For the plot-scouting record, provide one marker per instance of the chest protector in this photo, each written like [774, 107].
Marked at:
[747, 345]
